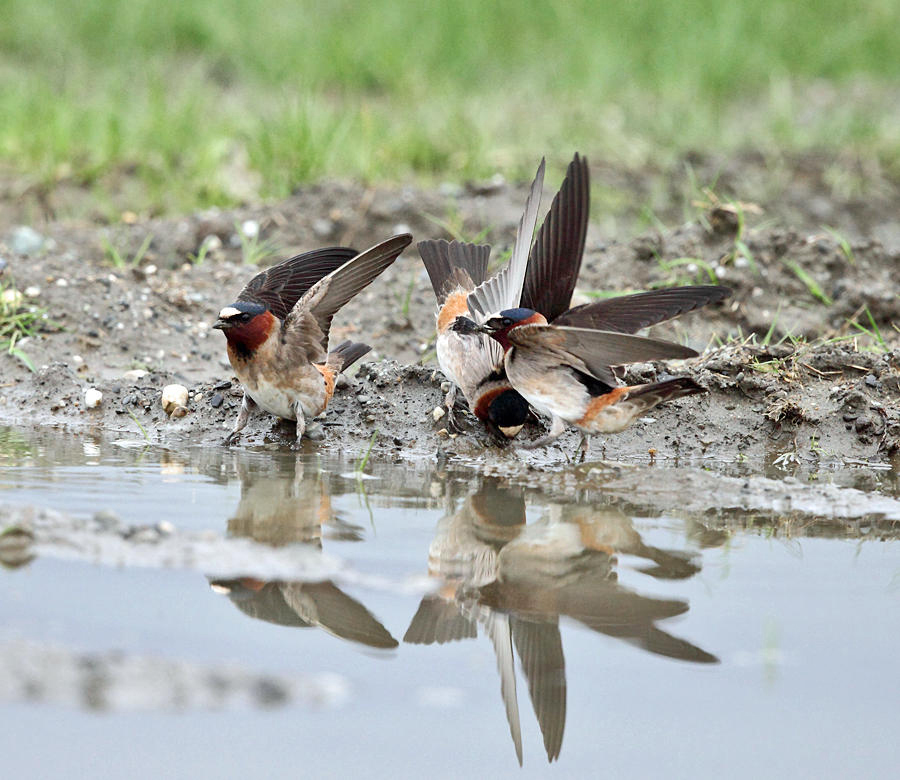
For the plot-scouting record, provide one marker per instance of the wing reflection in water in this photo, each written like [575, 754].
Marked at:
[515, 580]
[293, 506]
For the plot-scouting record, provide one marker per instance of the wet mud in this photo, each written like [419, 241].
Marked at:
[802, 363]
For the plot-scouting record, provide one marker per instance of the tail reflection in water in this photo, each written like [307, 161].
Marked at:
[281, 508]
[515, 581]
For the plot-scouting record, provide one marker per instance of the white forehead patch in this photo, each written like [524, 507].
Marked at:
[228, 311]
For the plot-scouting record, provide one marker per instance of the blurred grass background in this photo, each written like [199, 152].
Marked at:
[209, 102]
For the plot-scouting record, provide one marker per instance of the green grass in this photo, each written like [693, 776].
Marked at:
[18, 320]
[254, 249]
[812, 286]
[117, 260]
[202, 102]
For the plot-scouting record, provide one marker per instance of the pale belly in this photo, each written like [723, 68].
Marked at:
[464, 361]
[554, 392]
[308, 390]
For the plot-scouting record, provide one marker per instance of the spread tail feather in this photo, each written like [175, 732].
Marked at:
[452, 264]
[346, 354]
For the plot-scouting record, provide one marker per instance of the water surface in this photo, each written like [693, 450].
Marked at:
[235, 613]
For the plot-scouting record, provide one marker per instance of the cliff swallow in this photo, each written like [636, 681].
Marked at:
[567, 372]
[277, 330]
[471, 361]
[543, 281]
[285, 502]
[513, 581]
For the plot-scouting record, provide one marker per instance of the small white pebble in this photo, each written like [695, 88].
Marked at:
[77, 360]
[438, 412]
[62, 283]
[174, 396]
[92, 398]
[250, 228]
[11, 296]
[135, 374]
[149, 270]
[212, 243]
[32, 291]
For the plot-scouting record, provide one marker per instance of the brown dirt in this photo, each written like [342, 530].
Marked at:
[813, 394]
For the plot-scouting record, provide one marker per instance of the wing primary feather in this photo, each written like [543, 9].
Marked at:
[280, 286]
[333, 291]
[630, 313]
[504, 289]
[555, 258]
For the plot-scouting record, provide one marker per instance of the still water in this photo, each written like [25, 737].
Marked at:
[247, 614]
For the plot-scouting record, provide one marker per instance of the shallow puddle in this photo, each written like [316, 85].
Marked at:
[233, 613]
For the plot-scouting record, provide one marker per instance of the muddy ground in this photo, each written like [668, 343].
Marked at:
[802, 364]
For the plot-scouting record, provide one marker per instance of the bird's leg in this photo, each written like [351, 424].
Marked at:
[450, 403]
[557, 428]
[247, 406]
[583, 447]
[301, 425]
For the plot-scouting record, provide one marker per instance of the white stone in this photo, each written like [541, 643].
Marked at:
[135, 374]
[11, 297]
[438, 412]
[92, 398]
[174, 396]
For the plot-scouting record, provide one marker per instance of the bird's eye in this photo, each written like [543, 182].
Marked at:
[507, 322]
[245, 317]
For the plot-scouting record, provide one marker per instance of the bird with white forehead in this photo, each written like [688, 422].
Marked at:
[567, 372]
[541, 276]
[277, 330]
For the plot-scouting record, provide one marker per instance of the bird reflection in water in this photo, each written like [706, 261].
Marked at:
[515, 581]
[291, 506]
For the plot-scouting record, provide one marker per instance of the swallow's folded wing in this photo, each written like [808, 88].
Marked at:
[630, 313]
[278, 288]
[555, 258]
[504, 290]
[594, 351]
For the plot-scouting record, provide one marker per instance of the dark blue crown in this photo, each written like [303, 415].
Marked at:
[517, 315]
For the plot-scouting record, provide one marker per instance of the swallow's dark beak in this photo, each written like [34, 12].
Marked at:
[465, 326]
[221, 324]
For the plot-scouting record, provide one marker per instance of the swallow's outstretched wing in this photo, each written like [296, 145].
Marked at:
[540, 651]
[630, 313]
[325, 605]
[279, 287]
[504, 290]
[497, 627]
[592, 352]
[306, 327]
[453, 264]
[555, 258]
